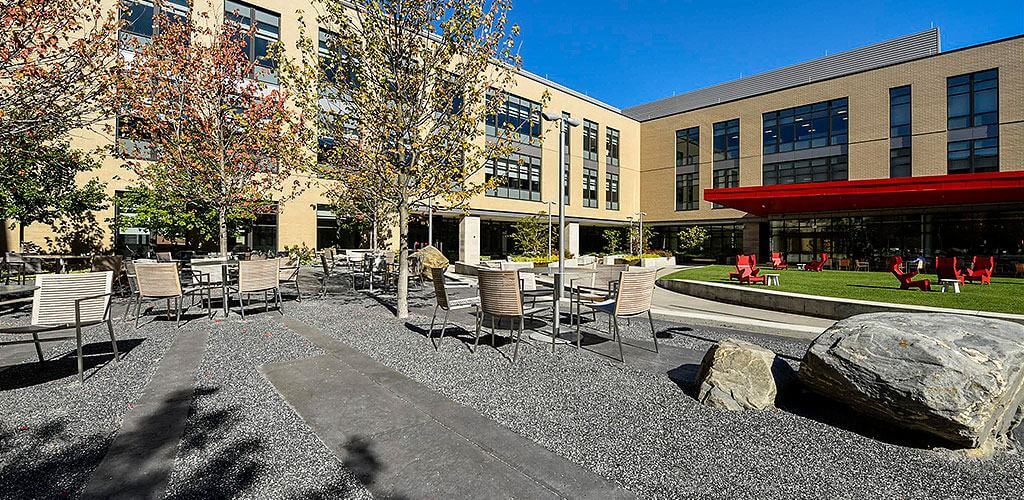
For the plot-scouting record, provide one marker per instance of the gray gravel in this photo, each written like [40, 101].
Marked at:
[641, 430]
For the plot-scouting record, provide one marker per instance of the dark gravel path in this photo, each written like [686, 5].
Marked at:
[642, 430]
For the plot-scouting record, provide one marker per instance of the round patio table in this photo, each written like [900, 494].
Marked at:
[225, 278]
[560, 336]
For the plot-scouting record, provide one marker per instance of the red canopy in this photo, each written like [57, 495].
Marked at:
[844, 196]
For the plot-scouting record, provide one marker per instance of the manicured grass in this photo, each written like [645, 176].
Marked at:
[1003, 295]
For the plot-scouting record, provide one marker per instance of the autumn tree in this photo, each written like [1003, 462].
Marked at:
[56, 57]
[403, 89]
[212, 133]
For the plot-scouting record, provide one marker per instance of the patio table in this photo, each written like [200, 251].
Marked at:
[557, 335]
[225, 269]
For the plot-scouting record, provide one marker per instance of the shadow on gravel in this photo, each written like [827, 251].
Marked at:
[46, 461]
[30, 373]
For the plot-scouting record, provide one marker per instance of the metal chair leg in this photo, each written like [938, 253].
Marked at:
[177, 302]
[113, 341]
[519, 336]
[81, 364]
[654, 333]
[493, 333]
[280, 303]
[618, 336]
[444, 324]
[241, 305]
[138, 311]
[430, 333]
[479, 325]
[39, 347]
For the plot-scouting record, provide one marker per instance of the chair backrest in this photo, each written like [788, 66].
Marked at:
[54, 300]
[1018, 267]
[529, 281]
[753, 260]
[895, 264]
[499, 292]
[440, 290]
[164, 257]
[844, 262]
[107, 263]
[946, 268]
[216, 272]
[159, 280]
[776, 258]
[258, 275]
[608, 277]
[742, 261]
[979, 263]
[636, 289]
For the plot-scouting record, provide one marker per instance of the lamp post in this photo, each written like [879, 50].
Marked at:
[549, 226]
[430, 222]
[563, 130]
[640, 233]
[629, 234]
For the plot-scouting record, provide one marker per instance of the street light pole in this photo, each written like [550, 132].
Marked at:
[629, 234]
[642, 214]
[563, 130]
[549, 226]
[430, 222]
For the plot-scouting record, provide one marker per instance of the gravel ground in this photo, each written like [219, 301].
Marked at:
[53, 431]
[641, 430]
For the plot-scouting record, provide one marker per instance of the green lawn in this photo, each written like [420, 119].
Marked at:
[1004, 295]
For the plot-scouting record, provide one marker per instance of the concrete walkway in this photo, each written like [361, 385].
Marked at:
[405, 440]
[139, 461]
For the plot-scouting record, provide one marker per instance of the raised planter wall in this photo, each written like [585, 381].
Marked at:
[658, 262]
[808, 305]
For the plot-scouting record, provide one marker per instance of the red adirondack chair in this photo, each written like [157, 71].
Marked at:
[946, 268]
[778, 261]
[817, 265]
[906, 279]
[747, 277]
[981, 269]
[745, 262]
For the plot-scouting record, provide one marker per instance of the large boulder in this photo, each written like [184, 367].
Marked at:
[737, 375]
[958, 378]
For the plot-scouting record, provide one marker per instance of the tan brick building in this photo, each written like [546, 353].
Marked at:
[892, 111]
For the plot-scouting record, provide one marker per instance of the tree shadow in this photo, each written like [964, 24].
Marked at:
[31, 373]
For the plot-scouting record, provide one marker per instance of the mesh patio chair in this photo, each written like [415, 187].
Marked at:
[290, 268]
[329, 271]
[259, 276]
[445, 303]
[635, 292]
[500, 297]
[162, 281]
[66, 302]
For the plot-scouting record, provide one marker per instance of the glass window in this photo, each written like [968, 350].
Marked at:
[825, 169]
[688, 147]
[611, 192]
[899, 162]
[899, 111]
[520, 115]
[267, 32]
[612, 146]
[589, 187]
[518, 177]
[687, 191]
[727, 140]
[590, 130]
[140, 21]
[811, 126]
[974, 156]
[972, 100]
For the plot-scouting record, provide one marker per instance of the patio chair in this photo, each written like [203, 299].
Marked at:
[164, 257]
[290, 268]
[595, 288]
[1018, 268]
[745, 262]
[162, 281]
[845, 264]
[65, 302]
[817, 265]
[947, 268]
[862, 265]
[255, 277]
[778, 261]
[981, 270]
[445, 303]
[747, 277]
[635, 292]
[500, 298]
[906, 280]
[18, 268]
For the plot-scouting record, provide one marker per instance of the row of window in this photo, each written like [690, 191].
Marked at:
[972, 101]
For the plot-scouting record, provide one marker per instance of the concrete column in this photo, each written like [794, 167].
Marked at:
[572, 238]
[751, 237]
[469, 240]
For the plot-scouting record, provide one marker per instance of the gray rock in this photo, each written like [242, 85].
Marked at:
[958, 378]
[737, 375]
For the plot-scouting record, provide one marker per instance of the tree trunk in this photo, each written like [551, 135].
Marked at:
[403, 260]
[222, 223]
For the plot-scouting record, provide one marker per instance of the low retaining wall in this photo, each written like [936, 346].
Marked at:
[807, 305]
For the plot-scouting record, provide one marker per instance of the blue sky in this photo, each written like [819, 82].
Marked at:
[630, 52]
